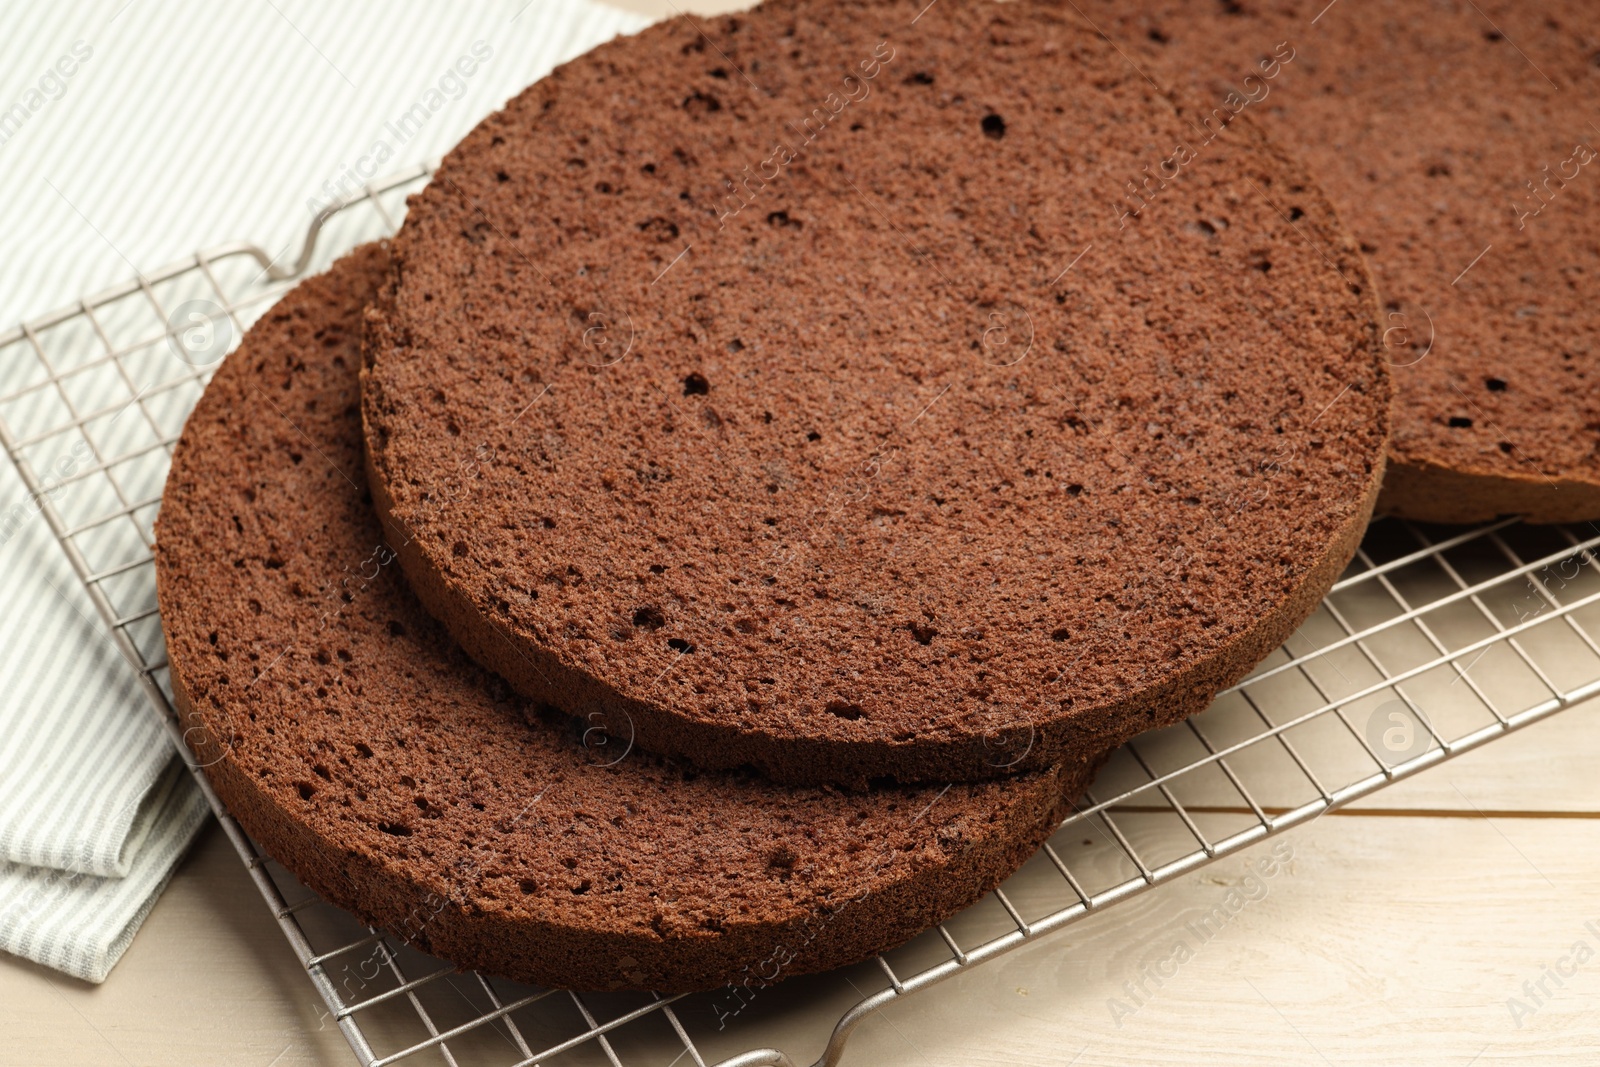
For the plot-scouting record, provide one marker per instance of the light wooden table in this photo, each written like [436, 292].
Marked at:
[1397, 935]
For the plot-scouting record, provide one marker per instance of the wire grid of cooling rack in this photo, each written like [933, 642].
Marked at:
[1433, 643]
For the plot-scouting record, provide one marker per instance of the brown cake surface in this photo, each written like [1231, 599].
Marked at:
[802, 384]
[361, 749]
[1456, 138]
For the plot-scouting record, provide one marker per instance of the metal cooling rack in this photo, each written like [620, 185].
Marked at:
[1433, 643]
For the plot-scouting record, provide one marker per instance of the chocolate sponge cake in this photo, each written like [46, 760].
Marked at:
[803, 385]
[358, 747]
[1457, 138]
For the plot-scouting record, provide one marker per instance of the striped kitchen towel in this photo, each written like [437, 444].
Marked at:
[132, 134]
[82, 924]
[79, 746]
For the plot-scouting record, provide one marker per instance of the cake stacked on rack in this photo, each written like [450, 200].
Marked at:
[1476, 209]
[823, 476]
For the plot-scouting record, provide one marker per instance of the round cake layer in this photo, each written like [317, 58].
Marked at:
[1456, 138]
[362, 750]
[805, 385]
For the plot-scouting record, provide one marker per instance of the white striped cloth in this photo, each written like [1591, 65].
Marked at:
[131, 134]
[79, 747]
[81, 924]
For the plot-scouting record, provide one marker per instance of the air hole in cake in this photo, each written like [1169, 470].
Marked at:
[1260, 262]
[735, 346]
[922, 633]
[680, 645]
[528, 886]
[395, 829]
[1295, 214]
[920, 78]
[1074, 489]
[396, 629]
[459, 549]
[1060, 634]
[701, 103]
[781, 218]
[719, 73]
[306, 790]
[364, 750]
[661, 229]
[1495, 385]
[322, 772]
[1460, 422]
[696, 385]
[843, 710]
[1507, 447]
[501, 176]
[813, 436]
[994, 126]
[781, 862]
[649, 618]
[582, 887]
[1493, 36]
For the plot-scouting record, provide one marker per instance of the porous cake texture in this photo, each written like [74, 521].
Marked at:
[804, 386]
[358, 747]
[1457, 139]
